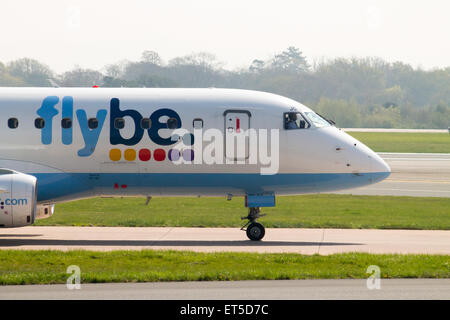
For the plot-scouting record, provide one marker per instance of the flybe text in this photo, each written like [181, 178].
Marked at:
[91, 135]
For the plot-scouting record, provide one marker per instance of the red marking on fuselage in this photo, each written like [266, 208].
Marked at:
[238, 125]
[144, 155]
[116, 186]
[159, 155]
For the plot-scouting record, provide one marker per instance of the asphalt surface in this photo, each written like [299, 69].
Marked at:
[413, 174]
[304, 241]
[240, 290]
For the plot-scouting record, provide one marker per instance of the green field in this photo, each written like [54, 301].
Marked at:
[305, 211]
[47, 267]
[405, 142]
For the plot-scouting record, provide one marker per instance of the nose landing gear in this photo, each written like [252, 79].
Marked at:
[255, 231]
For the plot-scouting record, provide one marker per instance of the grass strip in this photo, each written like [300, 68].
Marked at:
[49, 266]
[305, 211]
[405, 142]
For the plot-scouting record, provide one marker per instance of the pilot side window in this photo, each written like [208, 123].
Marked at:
[13, 123]
[39, 123]
[295, 120]
[119, 123]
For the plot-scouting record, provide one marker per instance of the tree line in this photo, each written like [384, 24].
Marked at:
[354, 92]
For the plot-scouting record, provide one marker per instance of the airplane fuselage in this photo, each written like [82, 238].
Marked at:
[72, 142]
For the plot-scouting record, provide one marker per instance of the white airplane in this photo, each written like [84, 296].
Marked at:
[62, 144]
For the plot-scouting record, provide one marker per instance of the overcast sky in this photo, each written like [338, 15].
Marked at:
[94, 33]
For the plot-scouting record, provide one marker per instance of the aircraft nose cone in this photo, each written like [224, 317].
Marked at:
[378, 164]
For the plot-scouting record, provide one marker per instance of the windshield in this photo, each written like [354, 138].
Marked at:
[317, 120]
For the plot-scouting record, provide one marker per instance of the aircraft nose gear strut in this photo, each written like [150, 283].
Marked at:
[255, 231]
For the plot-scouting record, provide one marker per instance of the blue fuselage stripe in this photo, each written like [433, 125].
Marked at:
[65, 186]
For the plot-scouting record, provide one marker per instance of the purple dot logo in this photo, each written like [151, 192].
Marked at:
[188, 154]
[174, 155]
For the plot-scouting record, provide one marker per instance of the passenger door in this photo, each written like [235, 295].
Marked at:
[237, 122]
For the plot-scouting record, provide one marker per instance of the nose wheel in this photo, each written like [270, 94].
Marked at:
[255, 231]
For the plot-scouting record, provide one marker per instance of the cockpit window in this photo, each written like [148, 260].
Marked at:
[295, 120]
[317, 120]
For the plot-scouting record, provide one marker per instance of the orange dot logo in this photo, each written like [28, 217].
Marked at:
[130, 155]
[115, 154]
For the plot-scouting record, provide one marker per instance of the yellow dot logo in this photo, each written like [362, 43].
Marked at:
[130, 155]
[115, 154]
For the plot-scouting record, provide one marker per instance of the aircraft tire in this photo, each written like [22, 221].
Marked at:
[255, 231]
